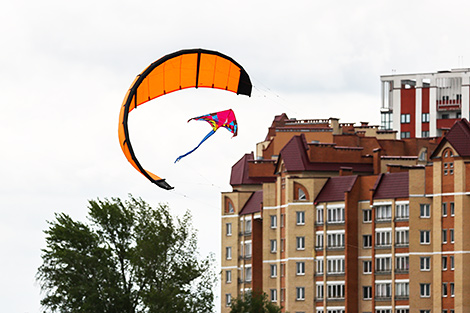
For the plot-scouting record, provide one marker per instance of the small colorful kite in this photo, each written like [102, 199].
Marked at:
[218, 119]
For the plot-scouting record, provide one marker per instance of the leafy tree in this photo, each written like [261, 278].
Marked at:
[253, 302]
[129, 258]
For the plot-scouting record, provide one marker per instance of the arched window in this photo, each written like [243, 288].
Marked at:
[229, 206]
[300, 192]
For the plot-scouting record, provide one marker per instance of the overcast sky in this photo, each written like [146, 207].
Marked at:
[65, 67]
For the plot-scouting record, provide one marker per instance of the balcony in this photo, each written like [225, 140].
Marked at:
[448, 104]
[245, 233]
[402, 244]
[446, 123]
[383, 298]
[383, 220]
[245, 257]
[383, 272]
[402, 271]
[334, 248]
[383, 246]
[402, 297]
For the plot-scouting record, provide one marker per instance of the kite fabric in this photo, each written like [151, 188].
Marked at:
[192, 68]
[224, 119]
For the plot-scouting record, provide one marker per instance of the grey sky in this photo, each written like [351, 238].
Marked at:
[65, 68]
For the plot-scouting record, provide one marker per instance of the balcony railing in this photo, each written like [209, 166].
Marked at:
[383, 298]
[402, 297]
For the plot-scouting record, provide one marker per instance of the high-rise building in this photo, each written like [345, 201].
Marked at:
[425, 104]
[336, 219]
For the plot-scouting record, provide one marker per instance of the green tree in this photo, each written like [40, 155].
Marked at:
[253, 302]
[127, 258]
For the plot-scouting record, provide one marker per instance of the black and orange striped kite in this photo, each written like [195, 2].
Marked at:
[192, 68]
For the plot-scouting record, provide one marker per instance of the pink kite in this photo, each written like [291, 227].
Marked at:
[218, 119]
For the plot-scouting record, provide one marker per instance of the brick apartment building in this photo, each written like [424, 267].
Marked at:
[425, 104]
[333, 218]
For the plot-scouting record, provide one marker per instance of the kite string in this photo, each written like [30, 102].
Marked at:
[265, 90]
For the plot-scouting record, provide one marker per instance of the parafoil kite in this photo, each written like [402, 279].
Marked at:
[192, 68]
[224, 119]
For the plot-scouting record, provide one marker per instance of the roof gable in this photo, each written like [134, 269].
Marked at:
[253, 205]
[335, 188]
[392, 185]
[458, 137]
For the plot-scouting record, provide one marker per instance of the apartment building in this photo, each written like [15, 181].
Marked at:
[425, 104]
[355, 224]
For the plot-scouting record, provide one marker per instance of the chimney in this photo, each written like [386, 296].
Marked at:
[377, 160]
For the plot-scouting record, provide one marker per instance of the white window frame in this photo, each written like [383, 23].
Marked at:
[273, 245]
[300, 217]
[425, 263]
[228, 299]
[425, 210]
[367, 216]
[425, 237]
[273, 219]
[319, 214]
[273, 295]
[300, 242]
[228, 229]
[273, 268]
[300, 268]
[300, 293]
[335, 214]
[228, 276]
[228, 253]
[367, 267]
[425, 290]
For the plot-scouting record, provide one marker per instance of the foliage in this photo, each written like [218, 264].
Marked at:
[253, 302]
[128, 258]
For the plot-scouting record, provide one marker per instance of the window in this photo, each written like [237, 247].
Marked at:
[367, 267]
[319, 240]
[402, 263]
[228, 228]
[283, 218]
[273, 245]
[386, 120]
[335, 240]
[319, 219]
[383, 290]
[425, 133]
[444, 208]
[300, 292]
[273, 295]
[273, 221]
[451, 262]
[300, 266]
[300, 217]
[452, 209]
[405, 118]
[383, 264]
[444, 289]
[283, 269]
[383, 238]
[283, 294]
[367, 216]
[335, 266]
[452, 290]
[451, 235]
[383, 311]
[335, 291]
[300, 243]
[319, 291]
[230, 207]
[444, 263]
[425, 117]
[383, 213]
[248, 274]
[367, 292]
[402, 311]
[367, 241]
[228, 277]
[335, 215]
[425, 263]
[273, 270]
[248, 227]
[228, 299]
[402, 237]
[425, 290]
[403, 211]
[319, 266]
[402, 289]
[425, 210]
[444, 236]
[228, 253]
[405, 135]
[424, 311]
[248, 249]
[424, 237]
[302, 195]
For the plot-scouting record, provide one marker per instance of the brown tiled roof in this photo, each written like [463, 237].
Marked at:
[458, 137]
[294, 155]
[392, 185]
[253, 205]
[335, 188]
[240, 174]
